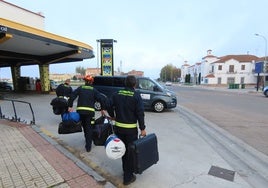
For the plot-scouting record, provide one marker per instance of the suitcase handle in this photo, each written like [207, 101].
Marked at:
[140, 136]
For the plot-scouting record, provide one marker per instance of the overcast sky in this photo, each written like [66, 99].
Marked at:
[153, 33]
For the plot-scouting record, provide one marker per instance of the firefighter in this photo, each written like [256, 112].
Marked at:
[64, 90]
[126, 108]
[87, 96]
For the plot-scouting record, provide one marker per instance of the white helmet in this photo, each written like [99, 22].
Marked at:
[114, 147]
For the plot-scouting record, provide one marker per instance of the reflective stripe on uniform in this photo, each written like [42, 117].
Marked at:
[126, 93]
[87, 87]
[126, 125]
[66, 98]
[92, 121]
[85, 108]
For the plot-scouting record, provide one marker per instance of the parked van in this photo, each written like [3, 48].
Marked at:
[154, 96]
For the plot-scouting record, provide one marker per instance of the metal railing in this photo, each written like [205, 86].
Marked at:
[15, 115]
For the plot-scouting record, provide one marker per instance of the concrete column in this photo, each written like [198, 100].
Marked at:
[44, 76]
[15, 72]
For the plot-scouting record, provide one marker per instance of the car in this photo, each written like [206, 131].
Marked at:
[154, 96]
[6, 86]
[168, 84]
[265, 91]
[53, 85]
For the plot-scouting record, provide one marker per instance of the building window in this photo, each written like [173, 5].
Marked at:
[243, 67]
[231, 68]
[230, 80]
[219, 80]
[212, 69]
[242, 80]
[220, 67]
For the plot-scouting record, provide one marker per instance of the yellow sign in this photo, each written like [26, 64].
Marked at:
[107, 61]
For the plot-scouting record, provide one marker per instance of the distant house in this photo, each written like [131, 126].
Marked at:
[136, 73]
[238, 69]
[60, 77]
[93, 71]
[184, 71]
[212, 70]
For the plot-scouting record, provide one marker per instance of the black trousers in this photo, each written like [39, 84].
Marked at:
[87, 128]
[127, 159]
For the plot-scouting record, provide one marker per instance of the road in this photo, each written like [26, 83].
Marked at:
[243, 114]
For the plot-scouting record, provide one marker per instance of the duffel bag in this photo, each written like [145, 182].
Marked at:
[71, 116]
[68, 127]
[102, 129]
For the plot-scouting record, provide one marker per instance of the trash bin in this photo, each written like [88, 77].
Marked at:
[22, 83]
[233, 86]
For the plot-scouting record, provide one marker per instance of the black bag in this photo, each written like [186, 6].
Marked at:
[68, 127]
[59, 105]
[101, 131]
[144, 153]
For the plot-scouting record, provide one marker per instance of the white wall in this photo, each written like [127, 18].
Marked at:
[224, 74]
[20, 15]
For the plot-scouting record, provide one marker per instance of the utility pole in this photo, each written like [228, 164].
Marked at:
[265, 56]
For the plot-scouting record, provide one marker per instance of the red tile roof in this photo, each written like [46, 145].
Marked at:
[210, 76]
[239, 58]
[209, 56]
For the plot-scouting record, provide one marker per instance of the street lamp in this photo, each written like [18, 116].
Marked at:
[98, 40]
[264, 63]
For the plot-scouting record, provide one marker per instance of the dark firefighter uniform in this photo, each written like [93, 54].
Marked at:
[127, 107]
[87, 95]
[60, 103]
[64, 90]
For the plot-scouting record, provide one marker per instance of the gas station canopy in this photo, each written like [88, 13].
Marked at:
[23, 45]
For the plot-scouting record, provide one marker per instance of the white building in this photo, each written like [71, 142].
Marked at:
[212, 70]
[237, 69]
[184, 71]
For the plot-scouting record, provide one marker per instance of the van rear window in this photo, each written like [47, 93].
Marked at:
[103, 81]
[110, 81]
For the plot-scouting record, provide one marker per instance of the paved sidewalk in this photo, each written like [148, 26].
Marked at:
[30, 159]
[248, 89]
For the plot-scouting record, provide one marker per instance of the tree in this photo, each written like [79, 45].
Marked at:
[170, 73]
[80, 70]
[74, 78]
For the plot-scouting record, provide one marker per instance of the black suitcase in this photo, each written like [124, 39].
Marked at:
[144, 152]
